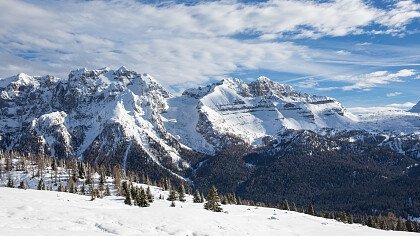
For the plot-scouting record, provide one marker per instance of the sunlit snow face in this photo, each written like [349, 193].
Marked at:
[359, 52]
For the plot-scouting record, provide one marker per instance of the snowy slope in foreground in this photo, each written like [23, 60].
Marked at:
[31, 212]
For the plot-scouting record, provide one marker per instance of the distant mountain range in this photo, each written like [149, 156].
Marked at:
[122, 117]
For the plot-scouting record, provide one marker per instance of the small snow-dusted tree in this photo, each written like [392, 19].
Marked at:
[127, 193]
[409, 225]
[197, 197]
[10, 183]
[400, 225]
[72, 186]
[213, 201]
[149, 194]
[181, 193]
[23, 185]
[41, 184]
[172, 204]
[173, 196]
[310, 209]
[142, 199]
[61, 188]
[286, 205]
[293, 207]
[107, 191]
[83, 189]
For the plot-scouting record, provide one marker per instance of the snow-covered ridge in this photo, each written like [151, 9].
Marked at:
[100, 115]
[122, 116]
[415, 108]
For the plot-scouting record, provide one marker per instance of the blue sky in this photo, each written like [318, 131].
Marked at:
[364, 53]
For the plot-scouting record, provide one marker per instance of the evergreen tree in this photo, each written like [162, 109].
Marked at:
[10, 183]
[127, 198]
[83, 189]
[149, 194]
[409, 225]
[286, 205]
[197, 197]
[370, 222]
[172, 204]
[181, 193]
[202, 198]
[107, 191]
[142, 199]
[310, 209]
[400, 225]
[383, 225]
[293, 208]
[213, 201]
[23, 185]
[350, 219]
[41, 184]
[92, 192]
[173, 196]
[72, 186]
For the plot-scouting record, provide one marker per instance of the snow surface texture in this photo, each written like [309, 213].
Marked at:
[32, 212]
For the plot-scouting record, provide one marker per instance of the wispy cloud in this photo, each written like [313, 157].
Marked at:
[393, 94]
[389, 107]
[186, 44]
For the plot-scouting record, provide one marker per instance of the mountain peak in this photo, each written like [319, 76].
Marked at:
[415, 108]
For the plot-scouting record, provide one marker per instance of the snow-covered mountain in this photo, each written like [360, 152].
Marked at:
[121, 116]
[102, 116]
[415, 108]
[259, 113]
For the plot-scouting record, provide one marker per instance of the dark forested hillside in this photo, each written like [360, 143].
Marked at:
[357, 178]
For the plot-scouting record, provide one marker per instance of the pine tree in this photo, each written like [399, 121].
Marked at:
[202, 198]
[213, 201]
[72, 186]
[286, 205]
[197, 197]
[127, 198]
[10, 183]
[149, 194]
[23, 185]
[173, 196]
[181, 193]
[350, 219]
[83, 189]
[370, 222]
[293, 208]
[142, 199]
[409, 225]
[400, 225]
[41, 184]
[107, 191]
[310, 209]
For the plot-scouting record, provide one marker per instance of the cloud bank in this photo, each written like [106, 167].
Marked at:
[182, 45]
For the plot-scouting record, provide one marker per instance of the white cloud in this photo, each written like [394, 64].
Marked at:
[310, 83]
[343, 52]
[374, 79]
[182, 44]
[393, 94]
[389, 107]
[402, 105]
